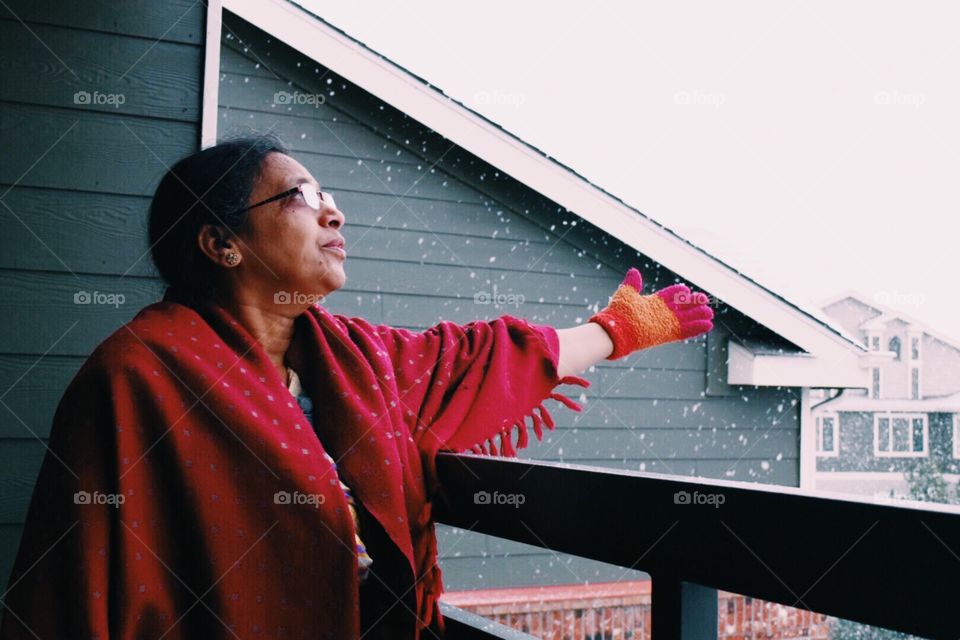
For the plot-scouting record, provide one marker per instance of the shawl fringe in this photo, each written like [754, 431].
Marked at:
[507, 449]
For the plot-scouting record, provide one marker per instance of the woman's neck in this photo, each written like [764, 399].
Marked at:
[273, 330]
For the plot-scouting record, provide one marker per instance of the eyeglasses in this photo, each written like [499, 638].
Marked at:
[310, 195]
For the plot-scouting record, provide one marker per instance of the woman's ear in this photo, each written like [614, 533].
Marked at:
[215, 243]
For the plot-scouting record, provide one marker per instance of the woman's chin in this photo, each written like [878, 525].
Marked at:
[334, 279]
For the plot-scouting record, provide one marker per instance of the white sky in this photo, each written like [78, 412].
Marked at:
[816, 145]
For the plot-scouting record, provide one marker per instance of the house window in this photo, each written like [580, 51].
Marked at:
[915, 383]
[900, 435]
[875, 343]
[895, 347]
[875, 388]
[828, 435]
[915, 348]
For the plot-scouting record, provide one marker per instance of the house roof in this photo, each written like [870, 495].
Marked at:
[886, 314]
[834, 352]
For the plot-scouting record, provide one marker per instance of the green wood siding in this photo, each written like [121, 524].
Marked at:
[75, 183]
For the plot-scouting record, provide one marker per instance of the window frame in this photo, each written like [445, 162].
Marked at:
[909, 417]
[878, 373]
[898, 352]
[818, 433]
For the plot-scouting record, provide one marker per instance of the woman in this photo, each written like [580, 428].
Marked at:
[236, 461]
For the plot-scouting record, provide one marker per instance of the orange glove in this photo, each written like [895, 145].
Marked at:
[636, 321]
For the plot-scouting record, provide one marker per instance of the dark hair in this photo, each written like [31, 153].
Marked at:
[205, 187]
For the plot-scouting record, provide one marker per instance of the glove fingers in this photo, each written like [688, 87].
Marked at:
[633, 279]
[697, 312]
[695, 328]
[675, 295]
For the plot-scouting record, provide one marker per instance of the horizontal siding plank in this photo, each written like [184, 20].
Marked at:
[245, 93]
[460, 542]
[665, 444]
[20, 460]
[748, 469]
[44, 302]
[535, 569]
[455, 249]
[172, 20]
[667, 384]
[153, 79]
[237, 57]
[49, 221]
[452, 281]
[386, 177]
[672, 414]
[423, 311]
[469, 218]
[32, 387]
[315, 135]
[785, 472]
[99, 153]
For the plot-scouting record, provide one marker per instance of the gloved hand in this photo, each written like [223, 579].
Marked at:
[634, 321]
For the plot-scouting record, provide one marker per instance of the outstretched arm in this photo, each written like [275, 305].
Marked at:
[581, 347]
[633, 321]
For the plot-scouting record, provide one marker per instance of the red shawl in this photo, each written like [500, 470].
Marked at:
[181, 414]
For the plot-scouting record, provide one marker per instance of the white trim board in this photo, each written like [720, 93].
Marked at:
[211, 74]
[802, 370]
[835, 352]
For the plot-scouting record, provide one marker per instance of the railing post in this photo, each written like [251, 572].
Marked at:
[682, 610]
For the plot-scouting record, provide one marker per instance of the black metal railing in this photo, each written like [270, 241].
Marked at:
[887, 564]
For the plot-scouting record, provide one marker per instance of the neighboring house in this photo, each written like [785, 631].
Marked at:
[448, 217]
[910, 412]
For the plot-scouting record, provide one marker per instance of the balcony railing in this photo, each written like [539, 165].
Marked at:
[887, 564]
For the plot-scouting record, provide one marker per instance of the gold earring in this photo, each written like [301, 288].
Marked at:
[232, 258]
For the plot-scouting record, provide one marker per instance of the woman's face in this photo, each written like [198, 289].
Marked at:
[282, 242]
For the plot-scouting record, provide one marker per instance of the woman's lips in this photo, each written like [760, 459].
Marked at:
[337, 246]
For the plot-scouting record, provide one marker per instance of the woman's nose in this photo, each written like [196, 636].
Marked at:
[330, 215]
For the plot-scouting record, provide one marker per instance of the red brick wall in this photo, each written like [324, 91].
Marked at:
[621, 611]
